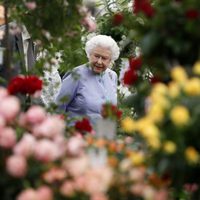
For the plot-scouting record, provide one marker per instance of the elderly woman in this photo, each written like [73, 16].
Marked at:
[89, 86]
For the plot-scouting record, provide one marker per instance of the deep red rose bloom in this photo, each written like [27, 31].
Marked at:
[192, 14]
[25, 85]
[118, 19]
[83, 125]
[143, 6]
[135, 63]
[130, 77]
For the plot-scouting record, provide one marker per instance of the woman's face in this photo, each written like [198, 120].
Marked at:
[100, 59]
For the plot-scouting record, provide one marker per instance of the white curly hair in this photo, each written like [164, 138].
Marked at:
[102, 41]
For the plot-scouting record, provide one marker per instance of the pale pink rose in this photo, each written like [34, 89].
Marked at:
[22, 120]
[128, 140]
[44, 193]
[37, 94]
[25, 146]
[35, 114]
[50, 127]
[137, 174]
[137, 189]
[98, 179]
[7, 137]
[54, 174]
[67, 188]
[125, 165]
[46, 151]
[80, 182]
[2, 122]
[148, 192]
[9, 107]
[99, 196]
[61, 141]
[3, 93]
[75, 146]
[76, 166]
[16, 166]
[161, 195]
[28, 194]
[89, 23]
[31, 5]
[93, 185]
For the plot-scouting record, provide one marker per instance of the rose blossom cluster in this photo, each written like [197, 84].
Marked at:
[60, 160]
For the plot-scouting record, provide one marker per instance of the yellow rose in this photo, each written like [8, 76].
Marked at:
[160, 88]
[192, 155]
[150, 132]
[169, 147]
[137, 158]
[196, 68]
[155, 113]
[179, 115]
[174, 89]
[192, 86]
[157, 98]
[178, 74]
[154, 143]
[128, 125]
[143, 123]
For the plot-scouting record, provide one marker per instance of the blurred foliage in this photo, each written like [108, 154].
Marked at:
[52, 32]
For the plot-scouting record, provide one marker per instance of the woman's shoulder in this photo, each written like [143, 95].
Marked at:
[112, 74]
[80, 68]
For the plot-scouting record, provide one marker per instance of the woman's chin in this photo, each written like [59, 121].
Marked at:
[97, 70]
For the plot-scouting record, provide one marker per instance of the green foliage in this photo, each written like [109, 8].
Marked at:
[55, 26]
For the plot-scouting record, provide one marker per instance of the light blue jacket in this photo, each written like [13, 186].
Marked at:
[82, 92]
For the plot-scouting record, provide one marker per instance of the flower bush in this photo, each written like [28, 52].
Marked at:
[169, 129]
[35, 150]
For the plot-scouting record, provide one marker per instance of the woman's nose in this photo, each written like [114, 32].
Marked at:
[99, 60]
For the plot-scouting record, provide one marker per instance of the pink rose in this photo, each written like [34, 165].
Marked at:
[161, 195]
[75, 146]
[35, 114]
[31, 5]
[44, 193]
[3, 93]
[2, 122]
[9, 107]
[46, 151]
[76, 166]
[67, 188]
[16, 166]
[25, 146]
[7, 137]
[89, 23]
[54, 174]
[99, 196]
[28, 194]
[50, 127]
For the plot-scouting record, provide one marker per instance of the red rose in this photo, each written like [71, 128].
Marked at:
[25, 85]
[192, 14]
[130, 77]
[83, 125]
[135, 63]
[118, 19]
[143, 6]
